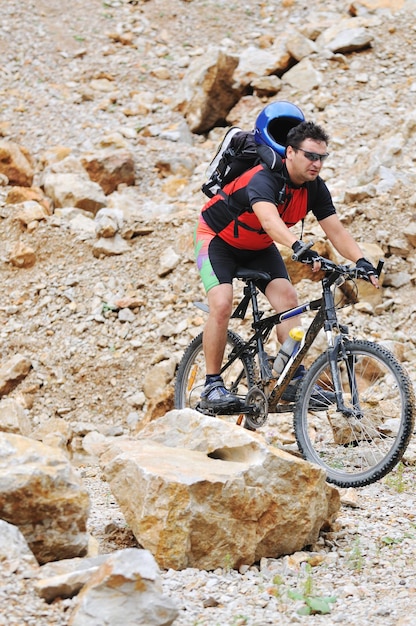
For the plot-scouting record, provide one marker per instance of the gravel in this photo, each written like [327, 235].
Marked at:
[53, 52]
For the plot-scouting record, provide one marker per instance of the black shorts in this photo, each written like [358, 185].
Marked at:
[218, 261]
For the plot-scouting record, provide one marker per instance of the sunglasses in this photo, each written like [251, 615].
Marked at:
[313, 156]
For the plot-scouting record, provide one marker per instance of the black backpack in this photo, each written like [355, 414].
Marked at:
[237, 153]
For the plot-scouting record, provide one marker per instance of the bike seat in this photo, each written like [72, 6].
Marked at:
[244, 273]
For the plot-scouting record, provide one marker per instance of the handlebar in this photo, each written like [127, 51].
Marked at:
[348, 271]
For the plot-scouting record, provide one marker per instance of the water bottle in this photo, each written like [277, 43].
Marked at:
[289, 347]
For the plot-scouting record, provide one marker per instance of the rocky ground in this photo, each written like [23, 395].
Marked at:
[77, 76]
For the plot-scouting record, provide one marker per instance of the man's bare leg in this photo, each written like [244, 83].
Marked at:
[215, 396]
[282, 296]
[220, 300]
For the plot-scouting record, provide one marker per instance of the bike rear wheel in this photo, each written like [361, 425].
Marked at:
[364, 441]
[190, 378]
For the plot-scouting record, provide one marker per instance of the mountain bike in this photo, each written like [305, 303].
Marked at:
[357, 436]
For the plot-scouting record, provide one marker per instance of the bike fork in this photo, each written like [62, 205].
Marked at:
[335, 355]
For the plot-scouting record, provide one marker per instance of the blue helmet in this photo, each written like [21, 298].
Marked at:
[274, 123]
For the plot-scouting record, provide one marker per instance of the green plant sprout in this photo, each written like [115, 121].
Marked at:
[397, 480]
[106, 306]
[312, 604]
[228, 566]
[391, 541]
[356, 559]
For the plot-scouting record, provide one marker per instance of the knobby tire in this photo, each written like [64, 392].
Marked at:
[360, 447]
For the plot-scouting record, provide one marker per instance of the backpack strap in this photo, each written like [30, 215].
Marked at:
[270, 158]
[234, 216]
[234, 208]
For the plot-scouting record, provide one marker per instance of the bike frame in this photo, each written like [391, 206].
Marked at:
[325, 318]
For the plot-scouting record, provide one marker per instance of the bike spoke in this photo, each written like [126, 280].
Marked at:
[361, 439]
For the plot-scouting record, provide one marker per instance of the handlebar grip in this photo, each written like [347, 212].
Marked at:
[379, 267]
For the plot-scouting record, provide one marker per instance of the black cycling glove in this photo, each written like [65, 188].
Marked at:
[303, 253]
[367, 266]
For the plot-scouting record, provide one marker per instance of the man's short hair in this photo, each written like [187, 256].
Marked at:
[305, 130]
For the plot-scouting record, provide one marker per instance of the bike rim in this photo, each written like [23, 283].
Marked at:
[362, 443]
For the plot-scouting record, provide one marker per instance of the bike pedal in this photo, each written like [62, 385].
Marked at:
[214, 411]
[208, 412]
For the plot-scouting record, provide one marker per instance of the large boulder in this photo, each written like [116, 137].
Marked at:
[110, 168]
[41, 495]
[207, 91]
[16, 164]
[126, 590]
[12, 372]
[73, 190]
[200, 492]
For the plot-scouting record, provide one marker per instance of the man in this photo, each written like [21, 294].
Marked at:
[224, 243]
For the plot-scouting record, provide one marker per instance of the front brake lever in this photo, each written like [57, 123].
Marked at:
[306, 246]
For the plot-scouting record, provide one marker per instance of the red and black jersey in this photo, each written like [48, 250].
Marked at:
[229, 213]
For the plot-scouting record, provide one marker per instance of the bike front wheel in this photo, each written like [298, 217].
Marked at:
[190, 378]
[360, 437]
